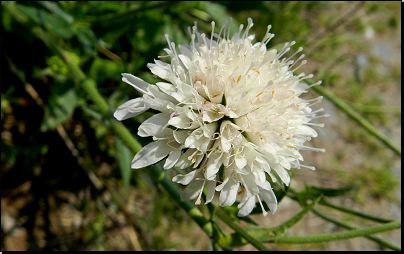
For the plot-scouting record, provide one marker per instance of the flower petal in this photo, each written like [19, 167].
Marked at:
[192, 190]
[153, 126]
[138, 83]
[130, 109]
[228, 194]
[159, 68]
[150, 154]
[211, 191]
[269, 197]
[172, 159]
[247, 207]
[185, 179]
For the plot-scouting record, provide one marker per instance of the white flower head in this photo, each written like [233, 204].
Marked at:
[230, 111]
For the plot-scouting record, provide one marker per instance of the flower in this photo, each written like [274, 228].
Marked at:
[231, 110]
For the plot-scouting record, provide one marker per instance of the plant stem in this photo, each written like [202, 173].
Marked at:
[381, 242]
[339, 235]
[357, 117]
[225, 218]
[292, 195]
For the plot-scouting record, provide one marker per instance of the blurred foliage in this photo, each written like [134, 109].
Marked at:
[106, 38]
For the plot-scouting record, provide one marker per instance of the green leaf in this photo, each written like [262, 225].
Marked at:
[87, 39]
[54, 23]
[53, 8]
[124, 158]
[61, 104]
[219, 14]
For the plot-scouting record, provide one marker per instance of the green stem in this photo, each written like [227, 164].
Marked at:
[267, 234]
[292, 195]
[189, 207]
[226, 218]
[357, 117]
[346, 210]
[339, 235]
[381, 242]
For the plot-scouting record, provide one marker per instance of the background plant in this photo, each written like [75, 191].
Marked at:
[66, 177]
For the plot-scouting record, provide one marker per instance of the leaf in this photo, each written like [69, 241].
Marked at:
[87, 39]
[52, 22]
[53, 8]
[124, 158]
[219, 14]
[61, 105]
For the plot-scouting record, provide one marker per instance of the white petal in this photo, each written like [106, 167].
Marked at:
[282, 173]
[172, 159]
[167, 88]
[221, 186]
[211, 191]
[240, 162]
[150, 154]
[156, 104]
[159, 69]
[184, 50]
[247, 207]
[183, 122]
[185, 179]
[130, 109]
[213, 165]
[180, 136]
[228, 194]
[192, 190]
[284, 162]
[306, 130]
[154, 125]
[226, 145]
[269, 197]
[137, 83]
[183, 161]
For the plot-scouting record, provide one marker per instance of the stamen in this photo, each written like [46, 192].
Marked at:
[283, 51]
[213, 31]
[267, 34]
[250, 24]
[300, 65]
[307, 148]
[220, 32]
[299, 50]
[262, 207]
[269, 38]
[315, 84]
[239, 29]
[306, 77]
[300, 58]
[315, 124]
[228, 32]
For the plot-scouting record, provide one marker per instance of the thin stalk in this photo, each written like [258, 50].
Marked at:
[339, 235]
[357, 117]
[346, 210]
[381, 242]
[292, 195]
[226, 218]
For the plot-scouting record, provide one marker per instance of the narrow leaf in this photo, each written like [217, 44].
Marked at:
[124, 158]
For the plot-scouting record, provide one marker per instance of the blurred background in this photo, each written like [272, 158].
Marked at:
[66, 182]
